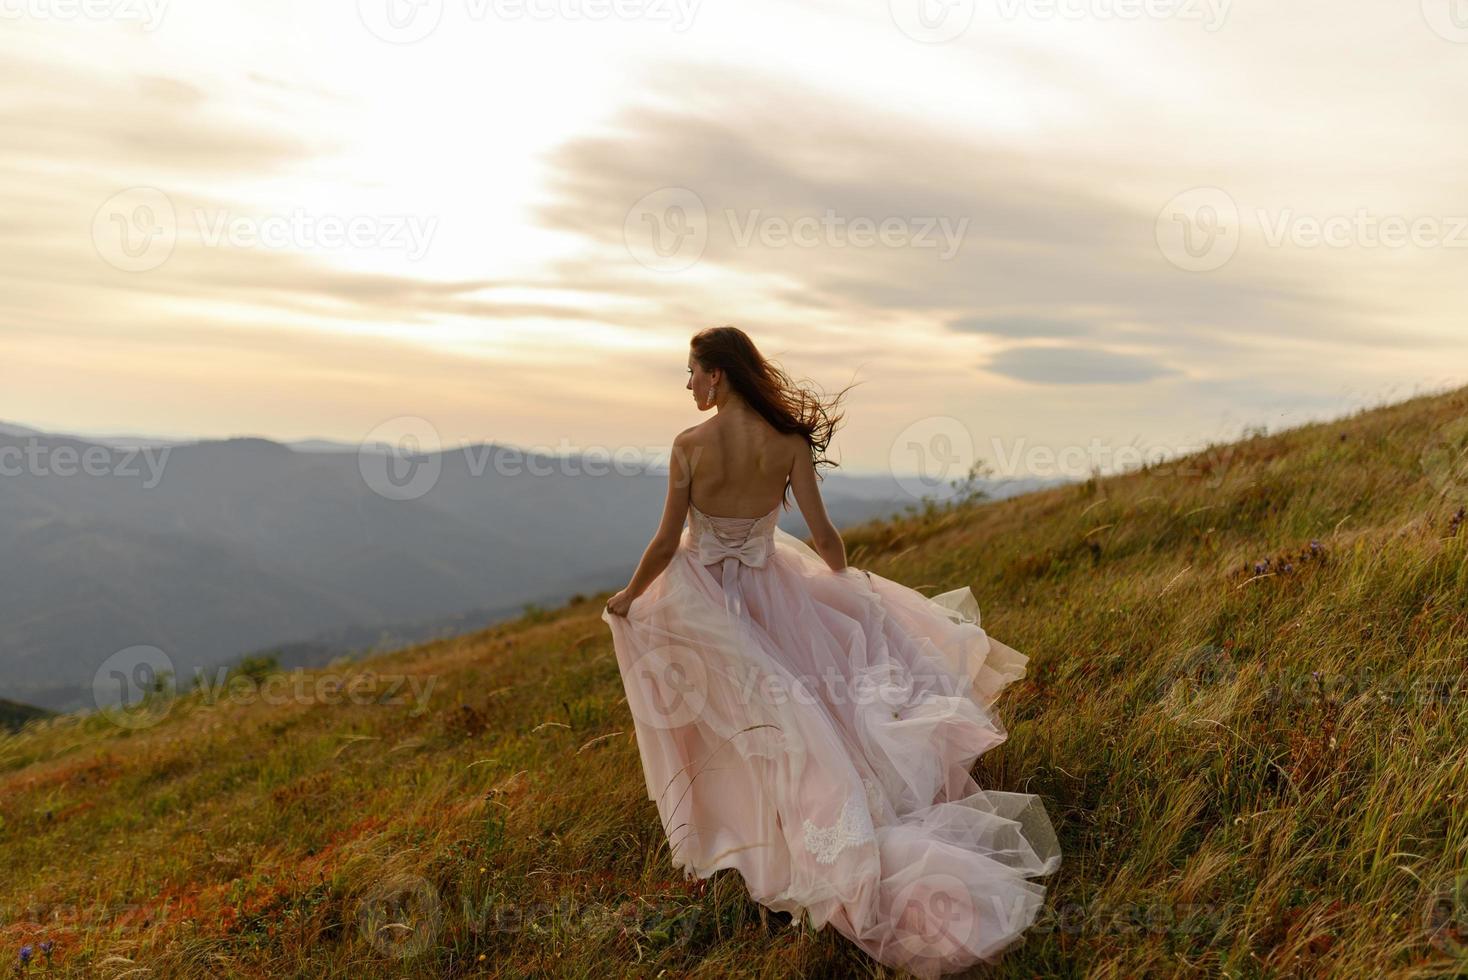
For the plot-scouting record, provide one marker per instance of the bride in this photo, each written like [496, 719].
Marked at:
[807, 723]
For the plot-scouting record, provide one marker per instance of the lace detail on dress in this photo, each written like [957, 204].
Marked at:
[853, 827]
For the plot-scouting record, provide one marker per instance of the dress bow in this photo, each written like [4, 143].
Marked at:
[752, 552]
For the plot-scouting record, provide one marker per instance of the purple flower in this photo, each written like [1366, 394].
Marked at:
[46, 945]
[1315, 547]
[25, 955]
[1260, 567]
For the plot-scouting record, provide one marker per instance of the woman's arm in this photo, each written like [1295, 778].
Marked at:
[664, 544]
[825, 539]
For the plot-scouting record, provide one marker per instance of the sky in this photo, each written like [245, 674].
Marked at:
[1019, 227]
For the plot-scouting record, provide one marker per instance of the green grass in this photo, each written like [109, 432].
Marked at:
[1252, 773]
[14, 715]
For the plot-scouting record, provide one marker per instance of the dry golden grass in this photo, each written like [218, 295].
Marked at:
[1255, 770]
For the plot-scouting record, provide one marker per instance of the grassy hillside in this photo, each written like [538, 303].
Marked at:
[14, 715]
[1246, 712]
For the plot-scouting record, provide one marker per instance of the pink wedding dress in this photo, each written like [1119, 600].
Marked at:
[815, 730]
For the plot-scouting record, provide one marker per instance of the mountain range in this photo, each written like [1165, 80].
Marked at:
[211, 550]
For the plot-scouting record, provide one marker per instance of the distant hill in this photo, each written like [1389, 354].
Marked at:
[1244, 710]
[13, 714]
[211, 550]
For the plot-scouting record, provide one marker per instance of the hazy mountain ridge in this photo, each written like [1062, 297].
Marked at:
[211, 550]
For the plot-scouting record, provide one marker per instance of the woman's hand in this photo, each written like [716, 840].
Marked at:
[618, 604]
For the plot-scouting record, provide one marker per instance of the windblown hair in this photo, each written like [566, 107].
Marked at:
[786, 405]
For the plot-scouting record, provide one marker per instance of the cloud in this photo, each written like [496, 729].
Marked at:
[1034, 239]
[1022, 327]
[1076, 365]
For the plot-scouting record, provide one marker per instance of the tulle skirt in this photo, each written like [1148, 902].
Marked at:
[816, 730]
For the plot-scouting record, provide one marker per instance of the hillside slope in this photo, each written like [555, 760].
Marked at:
[1245, 711]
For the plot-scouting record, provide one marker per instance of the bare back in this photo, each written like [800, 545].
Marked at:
[739, 464]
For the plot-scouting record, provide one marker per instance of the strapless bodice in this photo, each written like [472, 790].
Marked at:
[749, 539]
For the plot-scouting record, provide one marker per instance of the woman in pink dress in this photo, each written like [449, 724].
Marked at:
[809, 724]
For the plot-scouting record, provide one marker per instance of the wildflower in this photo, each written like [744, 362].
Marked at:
[1314, 547]
[25, 955]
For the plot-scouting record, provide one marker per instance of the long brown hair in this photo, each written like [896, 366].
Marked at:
[786, 405]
